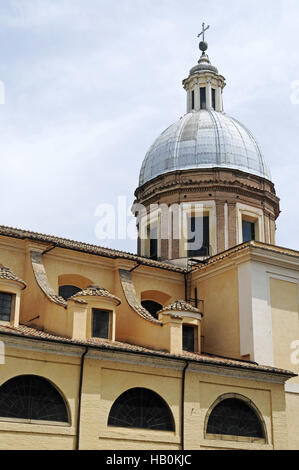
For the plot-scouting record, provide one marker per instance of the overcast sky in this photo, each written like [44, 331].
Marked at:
[90, 84]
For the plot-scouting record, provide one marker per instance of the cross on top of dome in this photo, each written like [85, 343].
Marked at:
[203, 45]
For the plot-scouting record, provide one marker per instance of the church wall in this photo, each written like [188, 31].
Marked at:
[292, 406]
[63, 262]
[220, 324]
[131, 327]
[218, 286]
[37, 310]
[285, 321]
[63, 372]
[167, 286]
[267, 398]
[108, 374]
[109, 381]
[12, 255]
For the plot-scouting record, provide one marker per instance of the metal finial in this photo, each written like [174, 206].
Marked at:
[203, 45]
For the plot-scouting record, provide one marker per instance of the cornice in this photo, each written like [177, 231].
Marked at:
[238, 373]
[214, 175]
[150, 359]
[248, 253]
[41, 345]
[200, 367]
[160, 188]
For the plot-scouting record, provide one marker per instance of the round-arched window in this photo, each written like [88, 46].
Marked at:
[235, 417]
[141, 408]
[152, 307]
[31, 398]
[68, 291]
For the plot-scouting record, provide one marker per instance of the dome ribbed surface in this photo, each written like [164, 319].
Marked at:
[204, 139]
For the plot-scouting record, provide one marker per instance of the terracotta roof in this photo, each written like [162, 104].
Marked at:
[180, 306]
[96, 291]
[103, 344]
[6, 273]
[86, 248]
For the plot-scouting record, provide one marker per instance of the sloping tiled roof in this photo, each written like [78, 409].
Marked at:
[180, 306]
[6, 273]
[96, 291]
[86, 248]
[104, 344]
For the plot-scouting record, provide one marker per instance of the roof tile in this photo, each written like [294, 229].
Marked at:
[32, 333]
[96, 291]
[6, 273]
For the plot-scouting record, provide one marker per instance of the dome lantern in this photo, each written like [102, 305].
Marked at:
[204, 84]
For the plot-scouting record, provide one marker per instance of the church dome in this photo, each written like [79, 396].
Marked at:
[204, 139]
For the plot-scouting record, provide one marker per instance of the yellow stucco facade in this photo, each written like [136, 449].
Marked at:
[105, 380]
[53, 338]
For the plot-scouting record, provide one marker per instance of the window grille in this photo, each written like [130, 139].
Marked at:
[141, 408]
[30, 397]
[234, 417]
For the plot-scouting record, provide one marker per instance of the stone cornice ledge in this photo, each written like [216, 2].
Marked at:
[239, 373]
[149, 359]
[174, 363]
[251, 251]
[41, 345]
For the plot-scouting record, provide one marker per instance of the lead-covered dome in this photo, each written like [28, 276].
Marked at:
[204, 139]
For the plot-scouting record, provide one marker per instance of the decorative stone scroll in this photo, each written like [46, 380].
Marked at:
[131, 297]
[42, 279]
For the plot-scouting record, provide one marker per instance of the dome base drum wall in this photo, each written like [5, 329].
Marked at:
[229, 196]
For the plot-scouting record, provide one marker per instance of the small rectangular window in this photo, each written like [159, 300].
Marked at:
[152, 234]
[100, 323]
[189, 338]
[198, 236]
[248, 229]
[193, 99]
[214, 98]
[5, 306]
[203, 98]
